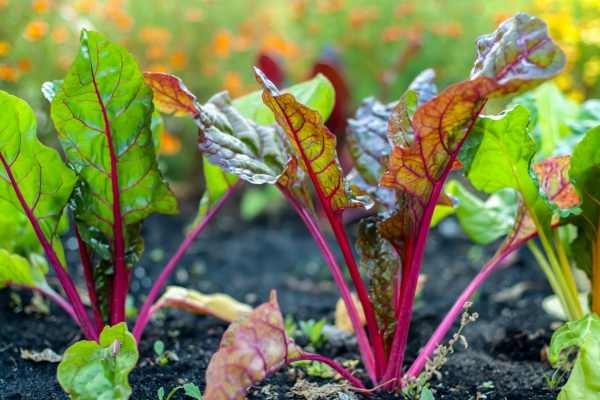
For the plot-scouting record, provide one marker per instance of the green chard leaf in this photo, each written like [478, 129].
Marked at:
[18, 271]
[17, 234]
[103, 115]
[99, 371]
[317, 93]
[584, 382]
[33, 178]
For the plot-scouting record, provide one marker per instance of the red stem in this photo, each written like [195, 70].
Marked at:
[146, 313]
[89, 279]
[338, 277]
[83, 319]
[120, 281]
[52, 295]
[337, 367]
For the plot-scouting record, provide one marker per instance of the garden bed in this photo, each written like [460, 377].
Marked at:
[247, 260]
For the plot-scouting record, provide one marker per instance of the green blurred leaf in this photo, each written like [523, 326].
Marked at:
[256, 201]
[16, 233]
[157, 127]
[584, 382]
[30, 170]
[483, 221]
[49, 89]
[99, 371]
[317, 93]
[18, 270]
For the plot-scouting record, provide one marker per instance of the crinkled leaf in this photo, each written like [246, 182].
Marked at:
[218, 305]
[484, 221]
[218, 183]
[315, 147]
[103, 115]
[253, 347]
[33, 177]
[424, 86]
[381, 264]
[238, 145]
[317, 93]
[49, 89]
[170, 94]
[584, 382]
[99, 371]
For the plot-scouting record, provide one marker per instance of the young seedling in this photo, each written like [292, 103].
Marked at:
[313, 330]
[190, 389]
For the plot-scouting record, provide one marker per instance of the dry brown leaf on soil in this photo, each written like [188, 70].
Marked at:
[47, 355]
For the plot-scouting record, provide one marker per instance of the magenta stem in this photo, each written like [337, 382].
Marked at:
[145, 314]
[51, 294]
[83, 319]
[120, 281]
[337, 367]
[338, 277]
[89, 279]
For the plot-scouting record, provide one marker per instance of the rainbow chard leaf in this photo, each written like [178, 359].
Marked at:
[99, 371]
[238, 145]
[423, 85]
[253, 347]
[381, 264]
[103, 116]
[584, 382]
[584, 174]
[317, 93]
[170, 94]
[518, 56]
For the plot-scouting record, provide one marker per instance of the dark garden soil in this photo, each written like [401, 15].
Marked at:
[247, 260]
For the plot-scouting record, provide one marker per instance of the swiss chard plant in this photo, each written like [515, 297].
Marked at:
[403, 168]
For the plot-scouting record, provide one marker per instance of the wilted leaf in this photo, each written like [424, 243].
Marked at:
[99, 371]
[381, 264]
[584, 382]
[33, 177]
[238, 145]
[170, 94]
[317, 93]
[253, 347]
[46, 355]
[315, 146]
[218, 305]
[342, 318]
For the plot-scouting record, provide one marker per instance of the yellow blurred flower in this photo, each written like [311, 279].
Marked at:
[178, 60]
[564, 81]
[591, 70]
[35, 30]
[194, 15]
[25, 64]
[591, 34]
[155, 52]
[8, 73]
[3, 4]
[85, 6]
[60, 34]
[222, 43]
[41, 6]
[576, 95]
[170, 144]
[4, 48]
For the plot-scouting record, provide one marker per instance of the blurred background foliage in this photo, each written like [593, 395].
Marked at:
[212, 45]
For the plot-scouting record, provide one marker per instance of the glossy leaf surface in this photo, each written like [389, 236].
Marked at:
[99, 371]
[254, 346]
[33, 177]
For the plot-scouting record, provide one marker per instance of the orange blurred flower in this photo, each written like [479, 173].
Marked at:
[8, 73]
[65, 61]
[210, 70]
[438, 28]
[233, 83]
[152, 35]
[85, 6]
[35, 30]
[60, 34]
[158, 68]
[391, 33]
[41, 6]
[222, 43]
[275, 43]
[4, 48]
[455, 29]
[3, 4]
[170, 144]
[329, 6]
[500, 17]
[242, 43]
[25, 64]
[155, 52]
[178, 60]
[194, 15]
[405, 9]
[124, 22]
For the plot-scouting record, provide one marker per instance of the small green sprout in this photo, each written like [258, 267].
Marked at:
[191, 390]
[313, 331]
[163, 356]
